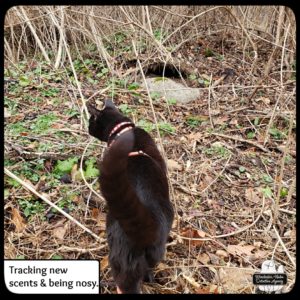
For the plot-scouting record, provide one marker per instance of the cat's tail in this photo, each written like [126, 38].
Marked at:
[123, 202]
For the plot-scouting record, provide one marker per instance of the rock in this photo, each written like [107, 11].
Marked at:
[170, 89]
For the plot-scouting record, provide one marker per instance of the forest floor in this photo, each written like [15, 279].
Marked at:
[231, 160]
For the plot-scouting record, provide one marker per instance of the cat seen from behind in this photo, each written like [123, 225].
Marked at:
[133, 181]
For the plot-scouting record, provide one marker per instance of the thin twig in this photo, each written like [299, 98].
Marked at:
[228, 234]
[241, 140]
[43, 197]
[284, 247]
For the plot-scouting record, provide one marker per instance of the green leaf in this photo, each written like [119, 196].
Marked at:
[267, 178]
[20, 257]
[56, 256]
[133, 86]
[283, 192]
[24, 80]
[157, 79]
[172, 101]
[256, 121]
[276, 133]
[91, 171]
[166, 127]
[192, 77]
[267, 192]
[65, 166]
[242, 169]
[27, 211]
[250, 135]
[13, 182]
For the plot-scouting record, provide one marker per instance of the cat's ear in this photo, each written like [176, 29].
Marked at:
[92, 109]
[109, 104]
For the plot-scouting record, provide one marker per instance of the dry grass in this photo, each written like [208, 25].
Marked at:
[226, 186]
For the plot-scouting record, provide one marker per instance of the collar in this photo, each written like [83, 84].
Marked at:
[118, 126]
[115, 131]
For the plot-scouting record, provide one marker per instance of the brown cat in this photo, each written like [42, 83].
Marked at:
[134, 184]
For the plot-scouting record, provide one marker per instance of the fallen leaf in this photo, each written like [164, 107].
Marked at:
[99, 217]
[221, 253]
[57, 126]
[204, 258]
[191, 233]
[240, 250]
[235, 279]
[194, 136]
[73, 172]
[234, 121]
[265, 100]
[33, 145]
[48, 165]
[18, 220]
[252, 195]
[161, 266]
[260, 254]
[104, 263]
[60, 231]
[95, 212]
[205, 290]
[221, 120]
[211, 289]
[174, 165]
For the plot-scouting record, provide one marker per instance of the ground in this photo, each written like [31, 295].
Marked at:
[231, 161]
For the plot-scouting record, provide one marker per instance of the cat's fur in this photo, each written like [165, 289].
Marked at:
[136, 190]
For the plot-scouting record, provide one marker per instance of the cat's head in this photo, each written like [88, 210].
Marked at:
[102, 121]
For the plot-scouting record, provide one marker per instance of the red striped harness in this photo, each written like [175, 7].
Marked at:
[129, 126]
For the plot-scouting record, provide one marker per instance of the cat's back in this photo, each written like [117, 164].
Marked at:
[148, 176]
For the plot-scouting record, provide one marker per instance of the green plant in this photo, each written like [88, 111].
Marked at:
[267, 192]
[50, 92]
[192, 76]
[31, 208]
[251, 135]
[208, 52]
[71, 112]
[284, 192]
[172, 101]
[11, 104]
[57, 257]
[217, 151]
[155, 95]
[91, 171]
[164, 128]
[120, 37]
[125, 109]
[195, 121]
[147, 126]
[133, 86]
[267, 178]
[159, 34]
[65, 166]
[24, 81]
[205, 82]
[102, 73]
[12, 182]
[43, 123]
[276, 133]
[16, 128]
